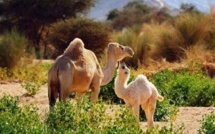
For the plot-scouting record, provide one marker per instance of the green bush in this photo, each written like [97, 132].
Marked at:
[166, 130]
[94, 34]
[11, 49]
[14, 119]
[8, 103]
[31, 87]
[186, 88]
[88, 117]
[208, 125]
[85, 117]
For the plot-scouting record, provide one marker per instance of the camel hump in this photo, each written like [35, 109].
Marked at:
[75, 48]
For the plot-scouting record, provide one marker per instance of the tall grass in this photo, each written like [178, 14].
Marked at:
[170, 40]
[192, 28]
[131, 37]
[12, 47]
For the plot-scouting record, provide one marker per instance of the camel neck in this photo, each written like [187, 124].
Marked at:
[109, 69]
[120, 87]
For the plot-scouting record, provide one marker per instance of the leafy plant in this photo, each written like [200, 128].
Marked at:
[186, 88]
[87, 117]
[31, 87]
[208, 125]
[165, 130]
[14, 119]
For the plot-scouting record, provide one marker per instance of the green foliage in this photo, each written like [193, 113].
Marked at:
[166, 130]
[186, 88]
[31, 87]
[11, 49]
[8, 103]
[85, 117]
[95, 35]
[14, 119]
[88, 117]
[208, 125]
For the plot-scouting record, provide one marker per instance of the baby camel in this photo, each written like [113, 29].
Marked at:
[139, 92]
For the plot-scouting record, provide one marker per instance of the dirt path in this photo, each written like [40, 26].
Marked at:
[189, 116]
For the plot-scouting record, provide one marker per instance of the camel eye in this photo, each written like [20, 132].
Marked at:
[123, 67]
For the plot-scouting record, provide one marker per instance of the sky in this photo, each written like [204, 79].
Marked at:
[102, 8]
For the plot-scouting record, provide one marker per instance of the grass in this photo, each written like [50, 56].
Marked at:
[12, 46]
[172, 41]
[26, 71]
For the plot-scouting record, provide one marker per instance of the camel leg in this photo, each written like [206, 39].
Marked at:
[95, 89]
[94, 94]
[136, 110]
[144, 106]
[63, 95]
[64, 86]
[150, 112]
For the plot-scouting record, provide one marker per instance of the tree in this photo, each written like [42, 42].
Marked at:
[185, 7]
[95, 35]
[132, 13]
[30, 17]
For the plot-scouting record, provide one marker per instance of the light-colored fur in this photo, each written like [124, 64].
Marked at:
[139, 92]
[78, 70]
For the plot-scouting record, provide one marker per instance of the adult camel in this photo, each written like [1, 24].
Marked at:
[78, 70]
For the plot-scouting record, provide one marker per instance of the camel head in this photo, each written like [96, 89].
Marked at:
[119, 51]
[123, 70]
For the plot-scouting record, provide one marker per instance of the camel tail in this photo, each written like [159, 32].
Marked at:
[160, 98]
[53, 85]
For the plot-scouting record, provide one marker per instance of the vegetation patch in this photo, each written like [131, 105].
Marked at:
[85, 117]
[186, 88]
[208, 125]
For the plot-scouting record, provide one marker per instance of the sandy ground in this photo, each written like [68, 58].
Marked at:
[189, 116]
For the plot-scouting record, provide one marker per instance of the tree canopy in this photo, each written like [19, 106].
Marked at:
[31, 16]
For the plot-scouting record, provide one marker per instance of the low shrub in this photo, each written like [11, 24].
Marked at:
[88, 117]
[31, 87]
[14, 119]
[208, 125]
[166, 130]
[85, 117]
[186, 88]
